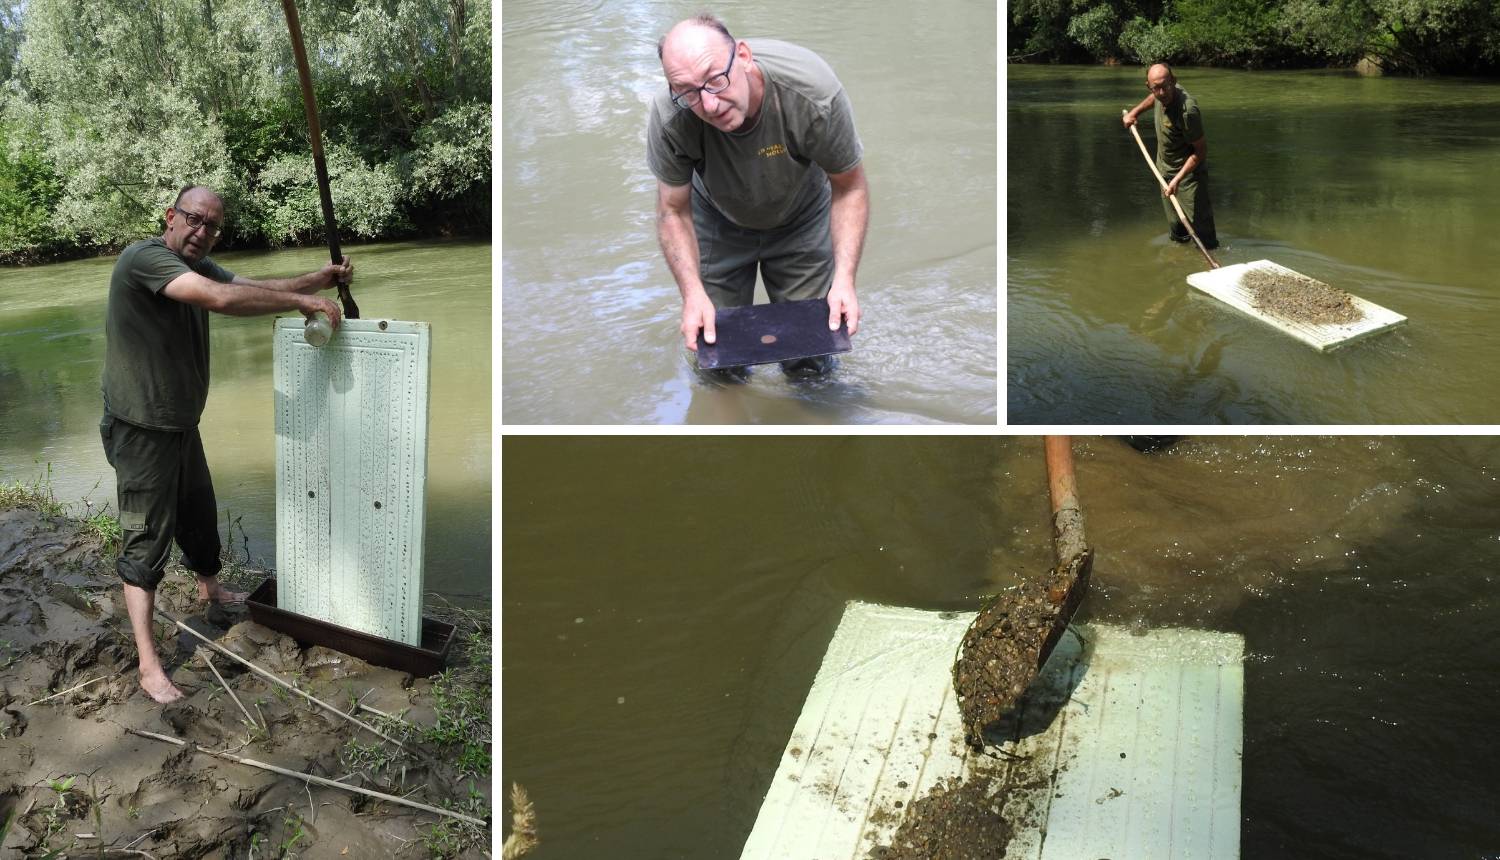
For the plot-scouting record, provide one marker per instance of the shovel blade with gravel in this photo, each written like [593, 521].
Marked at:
[1011, 638]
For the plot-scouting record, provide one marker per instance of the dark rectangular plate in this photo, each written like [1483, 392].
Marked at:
[437, 636]
[762, 334]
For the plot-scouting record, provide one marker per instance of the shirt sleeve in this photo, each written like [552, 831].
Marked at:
[153, 267]
[213, 271]
[1192, 122]
[834, 142]
[668, 159]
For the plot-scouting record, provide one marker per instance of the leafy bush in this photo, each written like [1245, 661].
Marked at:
[1149, 41]
[1097, 30]
[286, 208]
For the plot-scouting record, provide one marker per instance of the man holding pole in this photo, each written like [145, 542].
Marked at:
[1181, 153]
[155, 386]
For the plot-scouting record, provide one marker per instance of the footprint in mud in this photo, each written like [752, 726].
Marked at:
[191, 724]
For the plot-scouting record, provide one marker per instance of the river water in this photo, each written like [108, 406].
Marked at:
[1382, 187]
[590, 312]
[667, 602]
[52, 353]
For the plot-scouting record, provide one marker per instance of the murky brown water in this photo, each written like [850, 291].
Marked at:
[590, 311]
[52, 352]
[666, 603]
[1380, 187]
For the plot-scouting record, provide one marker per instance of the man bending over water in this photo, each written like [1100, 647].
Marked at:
[1181, 153]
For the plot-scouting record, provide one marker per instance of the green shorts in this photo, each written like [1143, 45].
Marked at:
[164, 493]
[795, 261]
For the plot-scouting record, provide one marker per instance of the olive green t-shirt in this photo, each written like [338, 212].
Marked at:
[156, 348]
[763, 176]
[1176, 129]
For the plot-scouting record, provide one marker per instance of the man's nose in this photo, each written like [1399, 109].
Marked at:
[710, 102]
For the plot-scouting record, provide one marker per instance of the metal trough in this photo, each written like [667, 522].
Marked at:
[426, 659]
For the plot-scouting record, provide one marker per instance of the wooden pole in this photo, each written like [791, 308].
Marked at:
[1186, 222]
[314, 779]
[1067, 517]
[315, 132]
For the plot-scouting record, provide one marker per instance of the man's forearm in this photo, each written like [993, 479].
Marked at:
[849, 218]
[305, 284]
[679, 244]
[1141, 108]
[248, 300]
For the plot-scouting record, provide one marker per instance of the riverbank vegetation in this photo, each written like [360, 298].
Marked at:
[106, 109]
[1439, 37]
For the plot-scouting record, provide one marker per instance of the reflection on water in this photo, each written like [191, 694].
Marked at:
[52, 350]
[1382, 187]
[667, 602]
[590, 311]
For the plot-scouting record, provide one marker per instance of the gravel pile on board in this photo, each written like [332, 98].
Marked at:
[1299, 298]
[1001, 652]
[955, 821]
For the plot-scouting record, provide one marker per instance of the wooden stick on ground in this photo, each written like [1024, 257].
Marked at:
[270, 677]
[71, 689]
[311, 778]
[209, 661]
[1186, 222]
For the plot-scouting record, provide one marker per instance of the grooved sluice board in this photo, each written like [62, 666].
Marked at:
[1127, 747]
[351, 473]
[1227, 285]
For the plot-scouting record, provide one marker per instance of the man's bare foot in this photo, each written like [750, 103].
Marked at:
[217, 593]
[160, 688]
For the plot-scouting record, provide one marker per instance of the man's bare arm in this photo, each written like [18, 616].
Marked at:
[849, 218]
[1195, 158]
[325, 278]
[245, 300]
[1130, 118]
[679, 244]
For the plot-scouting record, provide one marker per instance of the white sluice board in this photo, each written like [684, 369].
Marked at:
[1128, 746]
[1226, 284]
[351, 475]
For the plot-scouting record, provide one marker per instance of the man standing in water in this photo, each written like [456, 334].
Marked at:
[757, 163]
[1181, 153]
[155, 386]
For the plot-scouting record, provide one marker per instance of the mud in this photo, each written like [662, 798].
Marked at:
[1007, 643]
[63, 623]
[1299, 298]
[961, 820]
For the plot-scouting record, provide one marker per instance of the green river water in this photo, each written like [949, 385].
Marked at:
[52, 351]
[1382, 187]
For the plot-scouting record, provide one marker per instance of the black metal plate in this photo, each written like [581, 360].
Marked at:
[428, 659]
[762, 334]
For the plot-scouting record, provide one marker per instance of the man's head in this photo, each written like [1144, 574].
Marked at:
[698, 56]
[1162, 83]
[193, 222]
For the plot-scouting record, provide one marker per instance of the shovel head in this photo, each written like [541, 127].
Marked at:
[763, 334]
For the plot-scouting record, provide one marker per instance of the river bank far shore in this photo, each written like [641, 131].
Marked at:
[76, 781]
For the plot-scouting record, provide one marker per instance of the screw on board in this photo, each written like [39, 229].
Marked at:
[382, 325]
[377, 506]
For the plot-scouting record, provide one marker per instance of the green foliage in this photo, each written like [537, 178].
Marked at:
[37, 495]
[463, 722]
[286, 203]
[1442, 36]
[114, 106]
[451, 837]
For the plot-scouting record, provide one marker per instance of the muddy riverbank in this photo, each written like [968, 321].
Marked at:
[72, 780]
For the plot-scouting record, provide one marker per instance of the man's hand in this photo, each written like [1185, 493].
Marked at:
[1128, 119]
[697, 313]
[1170, 189]
[318, 304]
[842, 305]
[334, 274]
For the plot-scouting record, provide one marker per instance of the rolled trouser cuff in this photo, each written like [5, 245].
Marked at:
[134, 573]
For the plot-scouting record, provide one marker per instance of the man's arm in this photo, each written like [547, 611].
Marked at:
[679, 244]
[1199, 153]
[1129, 118]
[849, 217]
[245, 300]
[328, 276]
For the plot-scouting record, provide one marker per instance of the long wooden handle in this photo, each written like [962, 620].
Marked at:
[1186, 222]
[1067, 516]
[315, 131]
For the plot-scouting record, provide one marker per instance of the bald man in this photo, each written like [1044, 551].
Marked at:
[1181, 153]
[757, 164]
[155, 387]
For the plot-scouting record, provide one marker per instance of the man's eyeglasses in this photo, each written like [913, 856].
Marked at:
[194, 221]
[713, 86]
